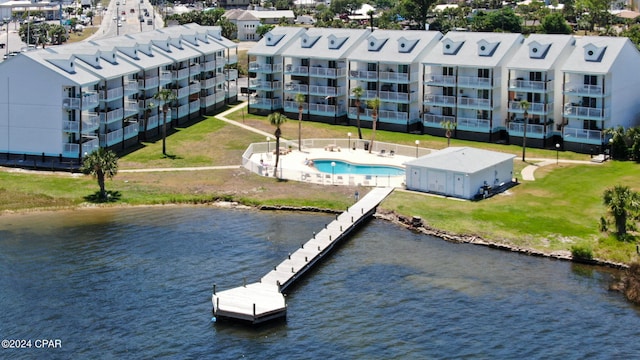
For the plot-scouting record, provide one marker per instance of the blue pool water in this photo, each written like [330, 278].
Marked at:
[343, 167]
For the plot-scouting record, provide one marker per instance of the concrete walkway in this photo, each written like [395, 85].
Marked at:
[528, 172]
[222, 116]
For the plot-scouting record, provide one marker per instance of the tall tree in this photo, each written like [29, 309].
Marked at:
[416, 10]
[524, 104]
[374, 104]
[166, 96]
[622, 203]
[276, 119]
[300, 99]
[100, 163]
[448, 126]
[358, 92]
[555, 24]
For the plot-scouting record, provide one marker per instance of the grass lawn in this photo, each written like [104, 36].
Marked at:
[561, 208]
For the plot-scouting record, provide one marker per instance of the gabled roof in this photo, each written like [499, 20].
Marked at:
[214, 33]
[321, 43]
[473, 49]
[62, 65]
[103, 62]
[169, 45]
[277, 40]
[595, 54]
[541, 52]
[461, 159]
[395, 46]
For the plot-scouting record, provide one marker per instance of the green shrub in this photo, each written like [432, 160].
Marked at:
[582, 251]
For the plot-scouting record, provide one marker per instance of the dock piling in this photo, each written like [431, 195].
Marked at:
[214, 289]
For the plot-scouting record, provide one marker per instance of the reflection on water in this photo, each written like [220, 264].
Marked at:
[116, 282]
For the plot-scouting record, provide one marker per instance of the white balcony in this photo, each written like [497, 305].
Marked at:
[208, 100]
[480, 104]
[231, 74]
[194, 106]
[296, 69]
[149, 82]
[130, 87]
[130, 108]
[323, 90]
[576, 111]
[194, 88]
[265, 103]
[576, 88]
[266, 68]
[296, 88]
[473, 124]
[363, 75]
[582, 135]
[209, 65]
[439, 100]
[398, 96]
[264, 85]
[530, 86]
[395, 77]
[220, 79]
[474, 82]
[88, 100]
[111, 94]
[440, 80]
[534, 108]
[195, 69]
[111, 116]
[165, 77]
[433, 120]
[318, 71]
[111, 138]
[180, 74]
[131, 131]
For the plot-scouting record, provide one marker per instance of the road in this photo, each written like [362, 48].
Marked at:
[131, 23]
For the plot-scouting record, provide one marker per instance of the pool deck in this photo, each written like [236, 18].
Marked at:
[292, 166]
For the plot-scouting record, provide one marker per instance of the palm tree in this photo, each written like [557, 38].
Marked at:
[166, 96]
[300, 98]
[99, 164]
[358, 92]
[448, 125]
[524, 104]
[276, 119]
[622, 203]
[374, 104]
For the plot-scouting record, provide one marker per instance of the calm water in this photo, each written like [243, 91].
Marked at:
[342, 167]
[136, 283]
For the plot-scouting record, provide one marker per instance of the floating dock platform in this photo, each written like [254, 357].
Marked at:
[264, 301]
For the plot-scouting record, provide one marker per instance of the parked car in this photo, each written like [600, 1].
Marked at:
[149, 22]
[123, 12]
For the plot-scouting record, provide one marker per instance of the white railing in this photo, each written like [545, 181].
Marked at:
[220, 96]
[475, 102]
[430, 99]
[369, 75]
[532, 129]
[471, 123]
[112, 138]
[89, 146]
[131, 131]
[195, 69]
[179, 74]
[165, 77]
[473, 81]
[293, 106]
[322, 90]
[194, 88]
[434, 79]
[209, 65]
[148, 83]
[231, 74]
[530, 85]
[296, 88]
[112, 94]
[578, 88]
[131, 87]
[90, 121]
[70, 126]
[262, 84]
[271, 103]
[194, 106]
[295, 69]
[182, 92]
[326, 72]
[322, 108]
[398, 96]
[153, 121]
[208, 100]
[573, 110]
[130, 108]
[111, 116]
[232, 59]
[255, 66]
[397, 77]
[71, 150]
[433, 119]
[208, 83]
[515, 106]
[571, 134]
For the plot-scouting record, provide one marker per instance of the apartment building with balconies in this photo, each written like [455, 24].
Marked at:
[64, 102]
[315, 65]
[465, 83]
[600, 91]
[266, 69]
[387, 66]
[535, 76]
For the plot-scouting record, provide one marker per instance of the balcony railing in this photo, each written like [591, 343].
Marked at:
[112, 94]
[364, 75]
[194, 88]
[474, 82]
[323, 90]
[208, 100]
[181, 92]
[209, 65]
[265, 103]
[111, 116]
[433, 120]
[232, 59]
[439, 100]
[471, 124]
[165, 77]
[264, 85]
[534, 108]
[90, 121]
[390, 76]
[149, 83]
[583, 112]
[474, 103]
[322, 109]
[131, 108]
[195, 69]
[575, 88]
[194, 106]
[296, 88]
[111, 138]
[179, 74]
[582, 135]
[293, 106]
[259, 67]
[88, 100]
[326, 72]
[231, 74]
[398, 96]
[130, 88]
[221, 95]
[208, 83]
[440, 80]
[533, 130]
[153, 121]
[131, 131]
[528, 85]
[296, 69]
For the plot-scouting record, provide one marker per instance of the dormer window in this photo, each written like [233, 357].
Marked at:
[273, 39]
[538, 50]
[308, 41]
[336, 42]
[486, 48]
[594, 53]
[406, 45]
[451, 47]
[376, 44]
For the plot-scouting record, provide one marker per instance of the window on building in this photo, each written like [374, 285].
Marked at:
[372, 67]
[484, 73]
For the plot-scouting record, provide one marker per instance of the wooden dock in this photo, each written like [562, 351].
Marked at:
[263, 301]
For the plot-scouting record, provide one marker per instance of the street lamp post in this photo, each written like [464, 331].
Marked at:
[268, 145]
[417, 143]
[349, 135]
[333, 171]
[557, 153]
[117, 18]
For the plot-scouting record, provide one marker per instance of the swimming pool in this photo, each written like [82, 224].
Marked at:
[343, 167]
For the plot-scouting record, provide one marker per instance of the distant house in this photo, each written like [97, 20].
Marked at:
[248, 21]
[461, 172]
